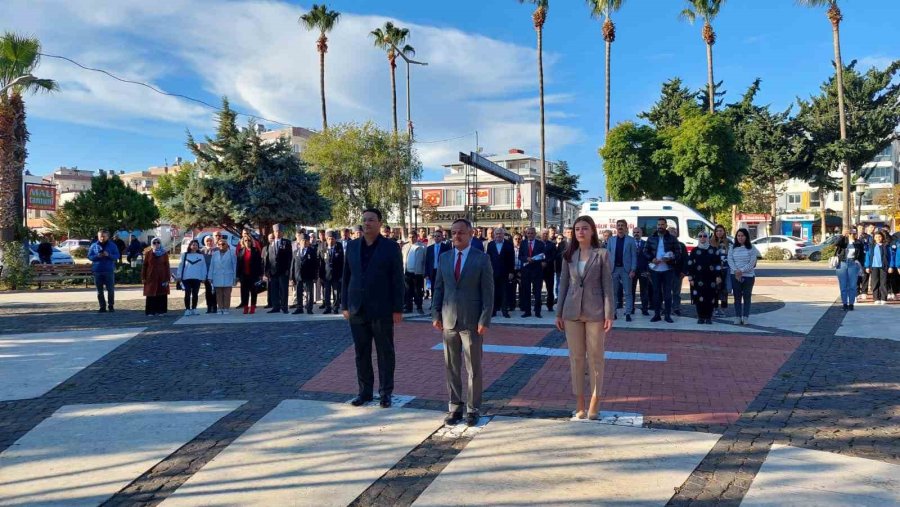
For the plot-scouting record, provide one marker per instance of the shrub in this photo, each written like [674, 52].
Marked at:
[775, 254]
[828, 252]
[79, 253]
[125, 274]
[16, 272]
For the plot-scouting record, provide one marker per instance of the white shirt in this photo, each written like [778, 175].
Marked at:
[660, 252]
[412, 256]
[465, 255]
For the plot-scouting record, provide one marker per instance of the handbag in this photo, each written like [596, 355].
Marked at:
[260, 286]
[834, 262]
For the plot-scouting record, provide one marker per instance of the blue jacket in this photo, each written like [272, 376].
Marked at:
[103, 264]
[886, 260]
[895, 255]
[629, 253]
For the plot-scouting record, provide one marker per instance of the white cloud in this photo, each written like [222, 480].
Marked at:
[256, 53]
[878, 61]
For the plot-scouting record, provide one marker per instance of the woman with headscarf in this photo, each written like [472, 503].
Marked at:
[704, 271]
[222, 274]
[155, 275]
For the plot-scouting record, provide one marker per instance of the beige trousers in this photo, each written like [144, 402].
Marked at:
[586, 341]
[223, 297]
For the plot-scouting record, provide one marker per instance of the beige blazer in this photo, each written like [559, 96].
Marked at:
[587, 298]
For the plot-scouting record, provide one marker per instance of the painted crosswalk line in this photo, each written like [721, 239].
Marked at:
[83, 454]
[547, 351]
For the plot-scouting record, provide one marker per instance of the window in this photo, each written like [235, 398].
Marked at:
[648, 224]
[880, 175]
[453, 197]
[837, 197]
[695, 227]
[776, 239]
[504, 196]
[794, 198]
[814, 200]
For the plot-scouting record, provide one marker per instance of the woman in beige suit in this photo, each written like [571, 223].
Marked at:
[585, 310]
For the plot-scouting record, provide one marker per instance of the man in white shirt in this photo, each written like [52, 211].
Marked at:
[414, 265]
[662, 252]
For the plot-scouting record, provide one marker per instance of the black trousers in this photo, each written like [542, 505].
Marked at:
[248, 290]
[305, 288]
[642, 279]
[549, 276]
[210, 294]
[278, 291]
[878, 279]
[364, 332]
[501, 293]
[530, 290]
[191, 292]
[512, 298]
[414, 288]
[863, 287]
[332, 290]
[156, 304]
[662, 291]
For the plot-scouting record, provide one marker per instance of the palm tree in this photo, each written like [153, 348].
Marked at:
[19, 57]
[835, 16]
[539, 17]
[708, 10]
[321, 19]
[603, 9]
[390, 38]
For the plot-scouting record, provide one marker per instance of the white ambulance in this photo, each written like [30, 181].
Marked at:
[644, 214]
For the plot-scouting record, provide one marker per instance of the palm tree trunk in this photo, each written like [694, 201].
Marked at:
[394, 92]
[845, 190]
[322, 88]
[540, 44]
[606, 122]
[711, 83]
[13, 136]
[822, 206]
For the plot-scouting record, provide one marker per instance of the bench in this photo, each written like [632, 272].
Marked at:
[53, 272]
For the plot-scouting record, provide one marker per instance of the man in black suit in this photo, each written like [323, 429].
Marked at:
[277, 260]
[503, 264]
[304, 271]
[432, 254]
[331, 269]
[532, 273]
[549, 271]
[373, 304]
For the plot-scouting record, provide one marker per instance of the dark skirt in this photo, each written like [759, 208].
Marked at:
[156, 305]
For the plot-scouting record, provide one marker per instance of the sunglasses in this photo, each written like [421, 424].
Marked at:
[702, 236]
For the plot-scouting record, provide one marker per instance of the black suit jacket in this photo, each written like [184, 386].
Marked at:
[305, 268]
[376, 293]
[503, 263]
[429, 260]
[533, 268]
[550, 252]
[277, 258]
[331, 268]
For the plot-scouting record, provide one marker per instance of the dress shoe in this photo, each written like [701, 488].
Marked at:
[321, 307]
[298, 311]
[238, 307]
[327, 311]
[645, 313]
[656, 318]
[471, 419]
[701, 321]
[359, 401]
[526, 314]
[309, 310]
[669, 319]
[537, 314]
[850, 308]
[678, 312]
[285, 311]
[627, 317]
[844, 307]
[268, 306]
[274, 310]
[102, 310]
[111, 309]
[385, 402]
[453, 418]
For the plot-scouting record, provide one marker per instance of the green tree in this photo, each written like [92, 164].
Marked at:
[169, 193]
[361, 166]
[708, 10]
[539, 17]
[108, 204]
[240, 180]
[666, 112]
[387, 38]
[565, 182]
[631, 171]
[19, 58]
[321, 19]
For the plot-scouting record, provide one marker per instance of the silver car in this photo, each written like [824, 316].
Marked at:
[814, 252]
[58, 257]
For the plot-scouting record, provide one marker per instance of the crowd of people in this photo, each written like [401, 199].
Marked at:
[867, 260]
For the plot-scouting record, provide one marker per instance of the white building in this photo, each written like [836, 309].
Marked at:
[498, 201]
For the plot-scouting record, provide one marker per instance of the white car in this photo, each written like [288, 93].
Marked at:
[70, 244]
[792, 245]
[57, 257]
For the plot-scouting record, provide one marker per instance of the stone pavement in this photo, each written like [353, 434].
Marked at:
[801, 407]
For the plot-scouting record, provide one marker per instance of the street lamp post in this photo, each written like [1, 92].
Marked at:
[861, 187]
[415, 201]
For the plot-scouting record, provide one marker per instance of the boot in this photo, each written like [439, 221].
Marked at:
[246, 310]
[252, 310]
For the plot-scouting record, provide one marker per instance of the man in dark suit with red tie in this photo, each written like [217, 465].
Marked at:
[503, 264]
[531, 254]
[277, 259]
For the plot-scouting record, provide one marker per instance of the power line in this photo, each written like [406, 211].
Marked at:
[157, 90]
[445, 140]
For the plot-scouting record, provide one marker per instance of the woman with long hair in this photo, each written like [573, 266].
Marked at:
[848, 250]
[742, 263]
[585, 312]
[155, 275]
[722, 244]
[191, 272]
[249, 271]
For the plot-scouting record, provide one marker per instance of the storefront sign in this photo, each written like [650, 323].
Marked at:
[432, 198]
[506, 215]
[40, 197]
[753, 217]
[797, 218]
[483, 196]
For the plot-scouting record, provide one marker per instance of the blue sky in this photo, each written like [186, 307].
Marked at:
[482, 72]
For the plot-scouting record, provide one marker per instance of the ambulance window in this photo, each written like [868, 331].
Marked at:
[695, 227]
[648, 224]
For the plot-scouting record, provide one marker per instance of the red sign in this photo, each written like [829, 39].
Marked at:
[40, 197]
[518, 198]
[432, 197]
[753, 217]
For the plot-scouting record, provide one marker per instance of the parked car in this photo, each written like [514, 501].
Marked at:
[792, 246]
[814, 252]
[232, 240]
[70, 244]
[57, 257]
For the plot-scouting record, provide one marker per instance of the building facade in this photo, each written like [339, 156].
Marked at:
[498, 201]
[296, 136]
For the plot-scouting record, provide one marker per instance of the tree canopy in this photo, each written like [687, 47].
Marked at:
[108, 204]
[565, 181]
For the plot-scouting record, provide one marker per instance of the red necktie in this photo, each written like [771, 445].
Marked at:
[458, 267]
[530, 248]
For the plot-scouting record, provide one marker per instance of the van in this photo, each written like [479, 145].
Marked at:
[644, 214]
